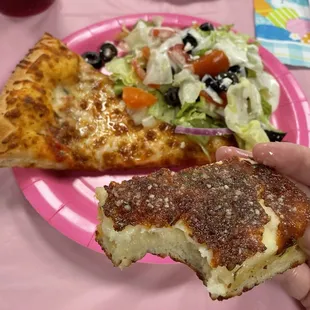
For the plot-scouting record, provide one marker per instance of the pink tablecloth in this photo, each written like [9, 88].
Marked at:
[40, 268]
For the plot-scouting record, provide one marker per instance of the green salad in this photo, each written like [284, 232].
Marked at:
[204, 80]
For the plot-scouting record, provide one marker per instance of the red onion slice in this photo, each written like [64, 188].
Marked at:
[203, 131]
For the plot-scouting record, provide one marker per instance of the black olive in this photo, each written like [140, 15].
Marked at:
[107, 52]
[93, 59]
[190, 39]
[222, 86]
[211, 82]
[228, 75]
[172, 97]
[206, 27]
[214, 85]
[238, 70]
[275, 136]
[207, 79]
[235, 69]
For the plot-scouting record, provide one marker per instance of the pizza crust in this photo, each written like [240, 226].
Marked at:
[25, 106]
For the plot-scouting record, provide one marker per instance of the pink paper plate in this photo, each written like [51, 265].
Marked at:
[66, 199]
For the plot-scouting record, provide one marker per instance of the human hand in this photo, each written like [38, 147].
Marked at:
[293, 161]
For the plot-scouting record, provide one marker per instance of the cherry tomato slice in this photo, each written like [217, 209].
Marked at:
[156, 86]
[140, 72]
[123, 34]
[213, 63]
[136, 98]
[162, 34]
[155, 32]
[209, 99]
[195, 25]
[223, 96]
[178, 55]
[146, 52]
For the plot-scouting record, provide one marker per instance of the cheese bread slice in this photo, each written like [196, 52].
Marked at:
[236, 223]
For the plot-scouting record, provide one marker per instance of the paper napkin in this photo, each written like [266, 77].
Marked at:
[283, 27]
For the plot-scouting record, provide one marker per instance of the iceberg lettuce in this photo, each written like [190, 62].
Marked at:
[244, 112]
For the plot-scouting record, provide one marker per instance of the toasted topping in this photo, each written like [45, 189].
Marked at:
[288, 202]
[219, 204]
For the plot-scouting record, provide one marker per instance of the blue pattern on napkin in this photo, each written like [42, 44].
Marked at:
[283, 27]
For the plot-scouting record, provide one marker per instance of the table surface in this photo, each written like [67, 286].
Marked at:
[42, 269]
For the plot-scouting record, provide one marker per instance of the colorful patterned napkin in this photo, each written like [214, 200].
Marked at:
[283, 27]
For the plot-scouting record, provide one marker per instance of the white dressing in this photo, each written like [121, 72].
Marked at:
[267, 82]
[213, 94]
[158, 69]
[236, 55]
[174, 40]
[190, 86]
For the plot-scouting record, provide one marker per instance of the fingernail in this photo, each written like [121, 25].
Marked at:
[243, 153]
[233, 151]
[229, 152]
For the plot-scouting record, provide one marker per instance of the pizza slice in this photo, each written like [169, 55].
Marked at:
[58, 112]
[235, 223]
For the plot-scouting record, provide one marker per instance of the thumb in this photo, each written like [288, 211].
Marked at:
[297, 281]
[289, 159]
